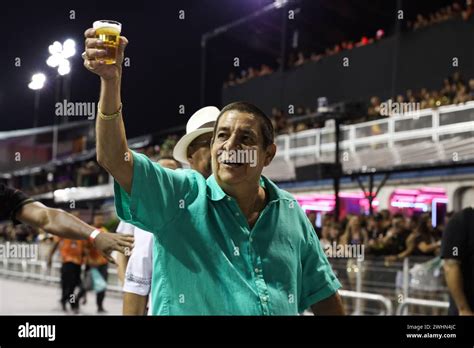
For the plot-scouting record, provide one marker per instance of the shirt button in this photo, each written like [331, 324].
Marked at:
[237, 214]
[251, 239]
[257, 270]
[229, 199]
[264, 298]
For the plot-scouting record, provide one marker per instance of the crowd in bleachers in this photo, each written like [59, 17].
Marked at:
[78, 174]
[86, 173]
[457, 8]
[394, 236]
[299, 58]
[454, 90]
[463, 8]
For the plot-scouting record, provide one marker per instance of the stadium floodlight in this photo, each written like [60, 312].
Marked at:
[280, 3]
[64, 67]
[69, 48]
[60, 54]
[37, 81]
[36, 84]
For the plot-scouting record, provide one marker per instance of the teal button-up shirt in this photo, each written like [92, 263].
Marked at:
[208, 260]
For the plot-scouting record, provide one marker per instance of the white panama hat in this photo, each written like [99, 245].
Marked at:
[201, 122]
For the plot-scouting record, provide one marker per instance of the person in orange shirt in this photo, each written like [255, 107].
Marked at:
[95, 259]
[72, 256]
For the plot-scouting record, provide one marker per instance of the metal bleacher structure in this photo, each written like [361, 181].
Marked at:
[425, 137]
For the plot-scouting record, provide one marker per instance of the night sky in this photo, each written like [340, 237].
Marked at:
[164, 51]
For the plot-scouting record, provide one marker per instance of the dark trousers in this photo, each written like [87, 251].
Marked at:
[101, 295]
[70, 279]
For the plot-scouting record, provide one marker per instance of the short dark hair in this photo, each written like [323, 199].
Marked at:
[266, 126]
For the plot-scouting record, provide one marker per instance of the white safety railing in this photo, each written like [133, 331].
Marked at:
[420, 302]
[39, 271]
[386, 303]
[429, 135]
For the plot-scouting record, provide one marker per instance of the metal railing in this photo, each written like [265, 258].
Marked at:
[39, 271]
[420, 302]
[429, 135]
[395, 281]
[387, 304]
[372, 286]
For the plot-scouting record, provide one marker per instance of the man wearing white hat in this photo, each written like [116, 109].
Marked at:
[192, 149]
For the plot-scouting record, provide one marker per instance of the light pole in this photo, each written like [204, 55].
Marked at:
[36, 84]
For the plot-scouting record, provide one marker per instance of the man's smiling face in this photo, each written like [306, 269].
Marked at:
[237, 150]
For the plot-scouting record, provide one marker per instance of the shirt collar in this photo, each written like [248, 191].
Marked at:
[215, 192]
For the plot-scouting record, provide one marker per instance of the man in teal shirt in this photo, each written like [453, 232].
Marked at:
[234, 244]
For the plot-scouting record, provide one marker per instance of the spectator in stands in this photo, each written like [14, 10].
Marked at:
[394, 241]
[300, 59]
[374, 108]
[242, 78]
[354, 234]
[230, 80]
[330, 233]
[375, 232]
[426, 241]
[420, 22]
[400, 98]
[251, 73]
[462, 95]
[311, 217]
[335, 231]
[467, 13]
[301, 126]
[471, 89]
[168, 146]
[88, 174]
[299, 111]
[315, 57]
[265, 70]
[458, 79]
[419, 242]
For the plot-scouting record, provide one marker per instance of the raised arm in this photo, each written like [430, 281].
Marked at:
[113, 153]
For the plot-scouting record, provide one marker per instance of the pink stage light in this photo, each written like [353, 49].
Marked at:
[438, 190]
[406, 192]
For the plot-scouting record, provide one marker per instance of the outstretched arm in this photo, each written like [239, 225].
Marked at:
[65, 225]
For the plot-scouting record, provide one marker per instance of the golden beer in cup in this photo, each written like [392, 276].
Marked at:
[109, 33]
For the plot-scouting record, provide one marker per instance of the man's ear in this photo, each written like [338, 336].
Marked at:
[269, 154]
[190, 160]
